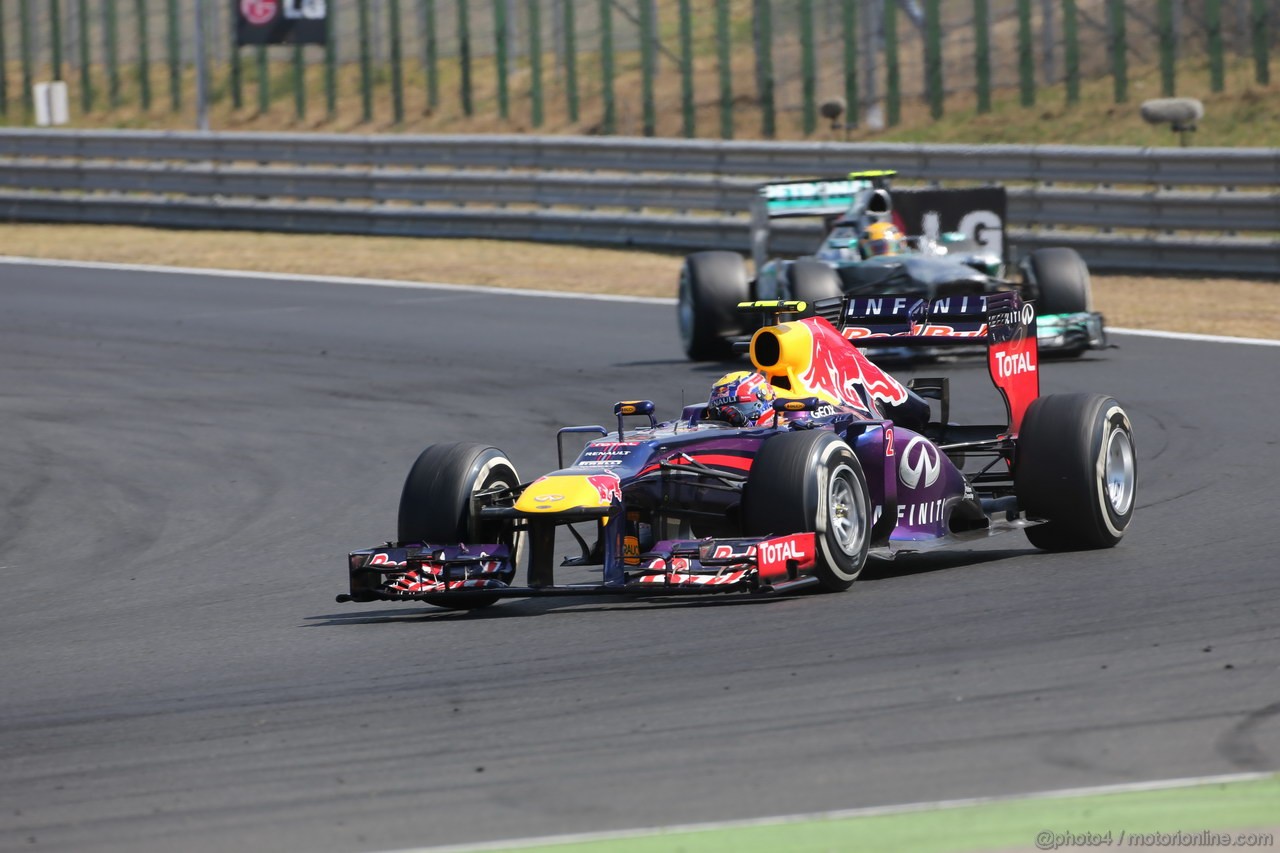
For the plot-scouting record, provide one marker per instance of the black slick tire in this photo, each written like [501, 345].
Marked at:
[436, 506]
[1077, 469]
[813, 280]
[1058, 280]
[811, 482]
[711, 286]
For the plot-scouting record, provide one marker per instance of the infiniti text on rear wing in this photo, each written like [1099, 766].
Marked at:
[1002, 321]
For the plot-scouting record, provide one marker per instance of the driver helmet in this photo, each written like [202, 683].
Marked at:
[741, 399]
[881, 238]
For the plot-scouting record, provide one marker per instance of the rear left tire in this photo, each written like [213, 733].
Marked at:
[711, 286]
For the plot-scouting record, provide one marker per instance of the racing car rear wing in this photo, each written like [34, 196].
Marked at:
[1001, 321]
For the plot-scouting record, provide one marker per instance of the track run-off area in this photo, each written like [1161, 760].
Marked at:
[187, 458]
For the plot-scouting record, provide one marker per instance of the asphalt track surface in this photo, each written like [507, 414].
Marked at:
[186, 460]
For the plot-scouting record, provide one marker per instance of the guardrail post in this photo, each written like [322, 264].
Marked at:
[808, 69]
[609, 125]
[1213, 35]
[763, 26]
[500, 34]
[1071, 49]
[86, 76]
[144, 54]
[535, 64]
[1119, 50]
[933, 57]
[1026, 59]
[686, 70]
[724, 59]
[982, 53]
[464, 57]
[892, 73]
[571, 60]
[397, 62]
[646, 67]
[174, 57]
[1261, 61]
[849, 31]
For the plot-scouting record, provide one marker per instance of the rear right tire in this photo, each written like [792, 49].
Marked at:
[711, 286]
[1077, 469]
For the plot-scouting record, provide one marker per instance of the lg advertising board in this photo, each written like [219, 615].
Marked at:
[281, 21]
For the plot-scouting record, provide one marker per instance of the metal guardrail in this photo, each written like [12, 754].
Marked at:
[663, 193]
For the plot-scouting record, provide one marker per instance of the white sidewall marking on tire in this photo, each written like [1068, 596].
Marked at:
[518, 555]
[824, 497]
[1100, 467]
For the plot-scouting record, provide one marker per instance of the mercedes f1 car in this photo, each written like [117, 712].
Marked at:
[844, 464]
[958, 248]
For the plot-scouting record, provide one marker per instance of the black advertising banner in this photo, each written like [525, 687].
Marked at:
[977, 212]
[281, 21]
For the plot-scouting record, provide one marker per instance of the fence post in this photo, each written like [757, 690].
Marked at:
[1071, 49]
[849, 32]
[808, 69]
[571, 60]
[86, 77]
[892, 73]
[686, 70]
[264, 80]
[464, 57]
[174, 50]
[1213, 36]
[610, 123]
[299, 83]
[982, 53]
[646, 68]
[1119, 50]
[429, 67]
[764, 67]
[724, 59]
[4, 67]
[366, 62]
[1168, 48]
[933, 57]
[397, 62]
[55, 37]
[535, 63]
[1026, 60]
[25, 48]
[111, 35]
[1261, 61]
[144, 54]
[500, 33]
[331, 65]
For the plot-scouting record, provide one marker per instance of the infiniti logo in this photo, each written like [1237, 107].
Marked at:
[919, 461]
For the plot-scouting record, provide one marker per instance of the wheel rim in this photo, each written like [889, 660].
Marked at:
[1119, 472]
[685, 310]
[845, 515]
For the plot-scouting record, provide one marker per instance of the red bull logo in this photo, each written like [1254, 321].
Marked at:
[839, 369]
[608, 486]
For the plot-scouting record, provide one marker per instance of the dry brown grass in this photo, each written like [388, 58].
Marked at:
[1208, 306]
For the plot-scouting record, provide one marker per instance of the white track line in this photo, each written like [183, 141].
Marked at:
[844, 814]
[470, 288]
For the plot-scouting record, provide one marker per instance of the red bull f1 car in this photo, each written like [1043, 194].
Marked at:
[848, 463]
[957, 246]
